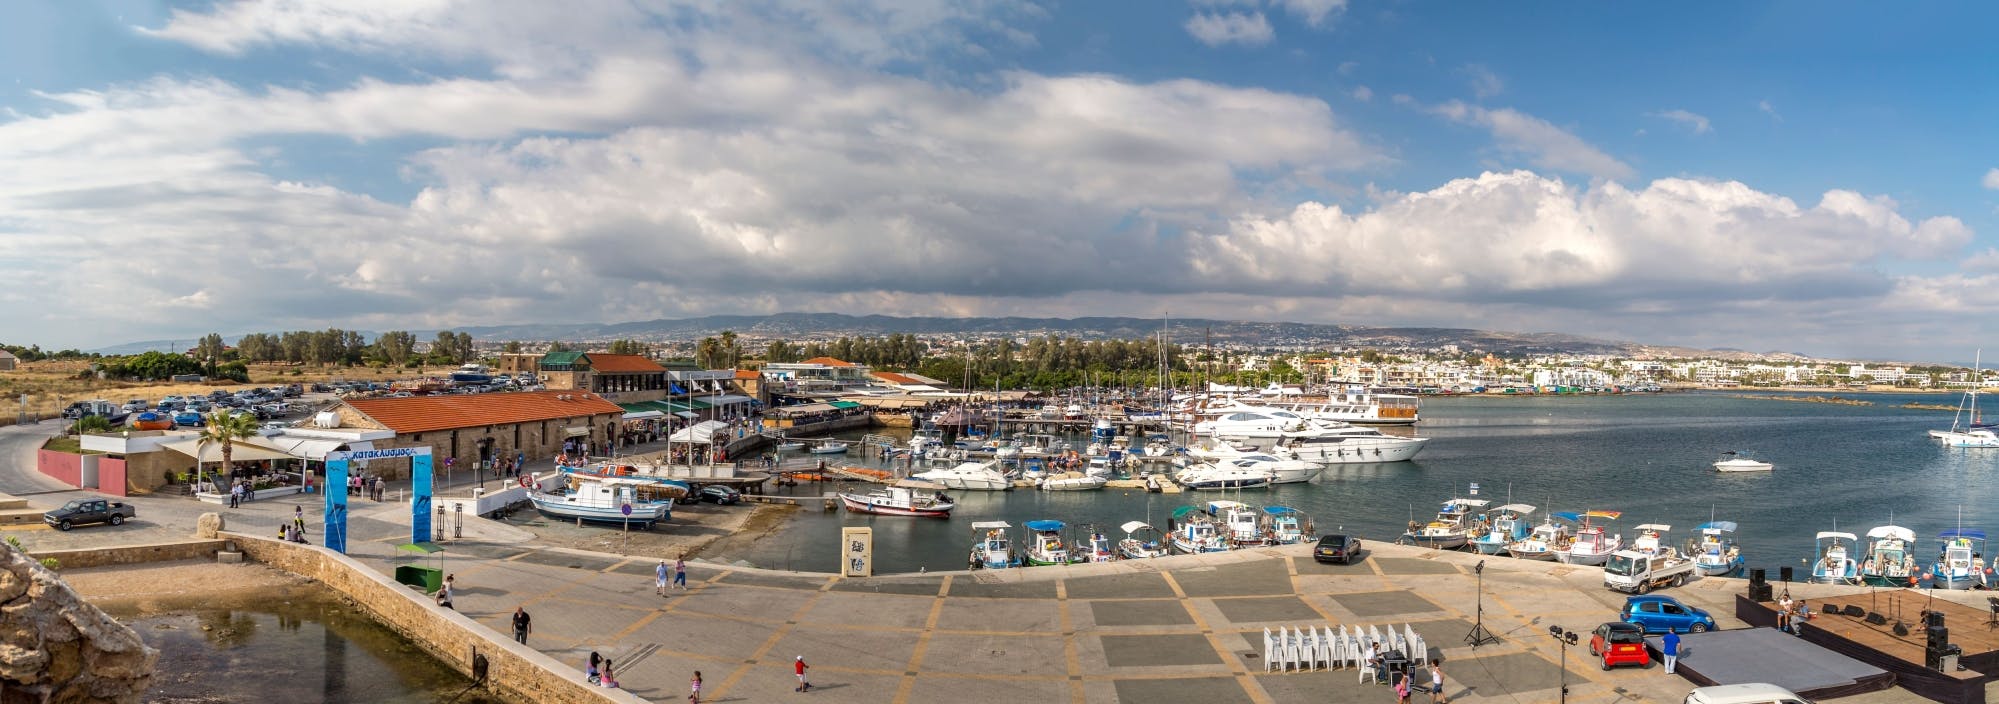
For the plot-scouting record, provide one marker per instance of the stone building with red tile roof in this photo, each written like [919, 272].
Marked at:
[471, 427]
[624, 378]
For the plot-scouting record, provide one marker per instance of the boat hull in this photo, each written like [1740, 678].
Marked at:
[1437, 542]
[641, 516]
[1956, 581]
[1718, 569]
[1583, 558]
[1396, 450]
[1074, 484]
[860, 505]
[1531, 553]
[1241, 483]
[1488, 547]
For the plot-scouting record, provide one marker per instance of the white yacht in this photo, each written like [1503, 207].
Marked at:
[1356, 407]
[1202, 475]
[971, 476]
[1347, 444]
[1282, 471]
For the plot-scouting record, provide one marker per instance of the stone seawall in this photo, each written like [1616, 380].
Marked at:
[513, 670]
[134, 554]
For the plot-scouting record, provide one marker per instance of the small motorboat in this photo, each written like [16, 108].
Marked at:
[1507, 525]
[1141, 541]
[1047, 546]
[1717, 555]
[829, 447]
[1547, 540]
[1959, 565]
[1450, 530]
[1283, 525]
[990, 548]
[1073, 481]
[899, 501]
[1196, 532]
[1593, 544]
[971, 476]
[1835, 563]
[1732, 461]
[789, 446]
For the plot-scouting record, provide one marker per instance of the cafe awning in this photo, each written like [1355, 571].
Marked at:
[239, 451]
[802, 409]
[576, 431]
[844, 405]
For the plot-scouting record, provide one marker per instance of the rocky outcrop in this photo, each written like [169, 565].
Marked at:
[208, 526]
[55, 647]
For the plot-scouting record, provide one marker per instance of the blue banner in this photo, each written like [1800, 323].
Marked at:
[420, 498]
[335, 489]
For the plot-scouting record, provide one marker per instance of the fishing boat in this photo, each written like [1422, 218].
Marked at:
[1835, 563]
[1890, 559]
[1073, 481]
[1508, 526]
[1717, 555]
[1650, 540]
[1045, 545]
[899, 501]
[1732, 461]
[990, 548]
[1283, 525]
[1202, 475]
[1544, 542]
[789, 446]
[1194, 531]
[1450, 530]
[650, 487]
[149, 420]
[1593, 544]
[1141, 541]
[828, 447]
[1965, 428]
[971, 476]
[1096, 547]
[602, 501]
[1240, 522]
[1959, 565]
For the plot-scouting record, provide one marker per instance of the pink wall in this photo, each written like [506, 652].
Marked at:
[111, 476]
[65, 467]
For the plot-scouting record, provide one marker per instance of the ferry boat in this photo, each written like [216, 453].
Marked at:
[990, 548]
[1835, 563]
[1508, 526]
[1283, 525]
[970, 476]
[1716, 554]
[1959, 565]
[899, 501]
[1195, 532]
[1890, 561]
[603, 501]
[1450, 530]
[1543, 543]
[1046, 546]
[1141, 541]
[1593, 544]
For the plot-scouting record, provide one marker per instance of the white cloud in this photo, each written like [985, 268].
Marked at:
[1363, 93]
[1768, 109]
[1315, 13]
[1991, 180]
[1348, 67]
[1543, 144]
[1220, 28]
[1693, 121]
[1484, 83]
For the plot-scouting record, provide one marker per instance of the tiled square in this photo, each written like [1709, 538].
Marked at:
[1156, 650]
[1139, 613]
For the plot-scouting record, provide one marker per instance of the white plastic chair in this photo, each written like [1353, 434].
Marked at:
[1270, 650]
[1417, 650]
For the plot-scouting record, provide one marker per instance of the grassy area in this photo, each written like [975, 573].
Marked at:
[67, 443]
[49, 385]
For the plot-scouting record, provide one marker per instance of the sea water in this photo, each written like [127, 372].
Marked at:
[1649, 456]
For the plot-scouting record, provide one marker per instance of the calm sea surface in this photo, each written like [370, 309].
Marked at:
[1649, 456]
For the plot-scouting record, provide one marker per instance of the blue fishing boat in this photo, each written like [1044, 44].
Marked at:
[991, 549]
[1959, 565]
[1505, 525]
[1285, 525]
[1835, 564]
[1046, 546]
[1717, 555]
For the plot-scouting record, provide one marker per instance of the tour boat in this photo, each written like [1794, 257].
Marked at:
[1547, 540]
[1450, 530]
[1717, 554]
[1835, 563]
[472, 373]
[1593, 545]
[1960, 565]
[1045, 545]
[899, 501]
[1890, 560]
[603, 501]
[828, 447]
[990, 547]
[1136, 544]
[1508, 525]
[1239, 521]
[1195, 532]
[1732, 461]
[1283, 525]
[970, 476]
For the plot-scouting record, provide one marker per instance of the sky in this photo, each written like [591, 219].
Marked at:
[1820, 178]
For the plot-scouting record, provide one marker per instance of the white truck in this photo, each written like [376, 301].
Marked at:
[1637, 572]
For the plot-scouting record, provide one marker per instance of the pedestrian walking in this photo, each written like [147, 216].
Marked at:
[659, 578]
[1670, 647]
[523, 625]
[298, 517]
[680, 571]
[1436, 683]
[1402, 689]
[235, 494]
[694, 689]
[799, 666]
[380, 484]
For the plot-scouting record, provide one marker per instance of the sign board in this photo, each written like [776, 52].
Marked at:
[1474, 488]
[336, 496]
[857, 551]
[390, 453]
[625, 509]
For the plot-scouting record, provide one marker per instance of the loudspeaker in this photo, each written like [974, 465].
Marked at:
[1876, 618]
[1756, 576]
[1785, 573]
[1936, 637]
[1900, 629]
[1933, 619]
[1759, 591]
[1853, 610]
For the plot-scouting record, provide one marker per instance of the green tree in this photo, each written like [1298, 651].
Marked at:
[225, 428]
[512, 347]
[630, 347]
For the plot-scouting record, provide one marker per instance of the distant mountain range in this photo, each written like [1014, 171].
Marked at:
[804, 326]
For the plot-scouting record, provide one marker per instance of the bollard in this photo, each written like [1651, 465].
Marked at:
[439, 526]
[458, 519]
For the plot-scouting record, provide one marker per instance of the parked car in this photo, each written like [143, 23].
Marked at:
[87, 511]
[1619, 643]
[199, 406]
[171, 406]
[1744, 694]
[171, 398]
[719, 494]
[322, 388]
[293, 391]
[1658, 614]
[275, 408]
[133, 407]
[189, 419]
[1342, 549]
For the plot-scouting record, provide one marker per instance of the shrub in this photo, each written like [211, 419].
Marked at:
[51, 563]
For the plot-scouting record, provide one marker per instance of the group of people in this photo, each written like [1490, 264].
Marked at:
[374, 487]
[1791, 613]
[1378, 669]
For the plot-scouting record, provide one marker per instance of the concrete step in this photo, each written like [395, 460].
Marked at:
[20, 516]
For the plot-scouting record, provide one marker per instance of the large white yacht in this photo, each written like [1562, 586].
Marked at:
[1311, 440]
[1202, 475]
[972, 476]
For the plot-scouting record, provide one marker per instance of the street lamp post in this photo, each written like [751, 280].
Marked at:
[1563, 639]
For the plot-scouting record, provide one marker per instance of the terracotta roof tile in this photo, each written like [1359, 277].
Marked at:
[827, 362]
[422, 414]
[748, 374]
[894, 378]
[605, 362]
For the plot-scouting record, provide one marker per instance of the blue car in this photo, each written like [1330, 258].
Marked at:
[1659, 614]
[188, 419]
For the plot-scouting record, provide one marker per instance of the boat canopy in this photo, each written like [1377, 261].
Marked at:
[1515, 508]
[1044, 526]
[1279, 510]
[1134, 526]
[1714, 527]
[1834, 534]
[1182, 511]
[1220, 506]
[1892, 532]
[1567, 516]
[990, 525]
[1661, 527]
[1972, 533]
[1474, 503]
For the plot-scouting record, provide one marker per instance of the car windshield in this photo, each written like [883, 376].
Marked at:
[1621, 566]
[1623, 636]
[73, 505]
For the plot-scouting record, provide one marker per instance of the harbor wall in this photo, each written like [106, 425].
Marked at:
[134, 554]
[513, 670]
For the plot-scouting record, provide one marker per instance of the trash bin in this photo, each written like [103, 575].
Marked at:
[429, 579]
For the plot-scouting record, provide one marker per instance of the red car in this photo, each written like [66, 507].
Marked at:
[1619, 643]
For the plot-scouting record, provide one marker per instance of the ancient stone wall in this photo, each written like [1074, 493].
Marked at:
[56, 647]
[134, 554]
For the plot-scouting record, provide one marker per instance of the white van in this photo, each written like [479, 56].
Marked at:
[1744, 694]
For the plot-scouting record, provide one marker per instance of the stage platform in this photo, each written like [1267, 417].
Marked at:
[1779, 658]
[1879, 644]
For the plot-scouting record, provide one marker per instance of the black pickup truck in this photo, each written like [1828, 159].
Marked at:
[83, 511]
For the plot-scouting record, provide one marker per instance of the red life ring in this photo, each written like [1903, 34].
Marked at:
[526, 481]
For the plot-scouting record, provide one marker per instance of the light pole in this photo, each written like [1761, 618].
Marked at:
[1563, 639]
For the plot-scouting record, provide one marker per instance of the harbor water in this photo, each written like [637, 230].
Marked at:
[1649, 456]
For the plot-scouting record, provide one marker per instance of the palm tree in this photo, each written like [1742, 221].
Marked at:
[225, 428]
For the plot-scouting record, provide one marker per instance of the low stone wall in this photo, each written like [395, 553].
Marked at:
[514, 670]
[134, 554]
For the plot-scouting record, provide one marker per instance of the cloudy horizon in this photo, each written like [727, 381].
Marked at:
[1763, 180]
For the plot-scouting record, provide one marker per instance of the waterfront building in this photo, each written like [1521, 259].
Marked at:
[817, 374]
[618, 377]
[472, 427]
